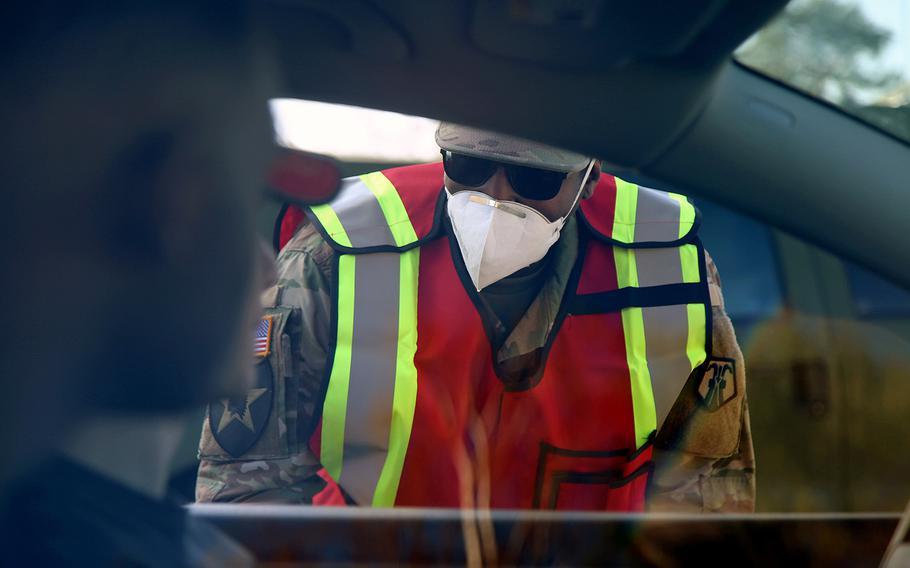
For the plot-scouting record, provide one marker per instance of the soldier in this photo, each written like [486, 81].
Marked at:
[510, 328]
[135, 139]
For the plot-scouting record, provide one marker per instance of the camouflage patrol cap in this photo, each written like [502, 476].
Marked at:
[508, 149]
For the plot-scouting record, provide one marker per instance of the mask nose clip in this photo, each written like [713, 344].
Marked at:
[504, 207]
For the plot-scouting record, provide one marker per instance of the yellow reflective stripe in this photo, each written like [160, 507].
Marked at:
[633, 326]
[695, 343]
[405, 395]
[331, 224]
[624, 214]
[392, 208]
[336, 396]
[626, 271]
[686, 213]
[688, 256]
[643, 409]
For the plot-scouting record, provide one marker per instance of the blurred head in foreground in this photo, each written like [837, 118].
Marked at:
[134, 142]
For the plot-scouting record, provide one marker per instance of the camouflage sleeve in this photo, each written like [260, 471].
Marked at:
[704, 460]
[278, 467]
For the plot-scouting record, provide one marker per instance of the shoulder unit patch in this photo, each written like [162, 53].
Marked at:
[238, 422]
[718, 383]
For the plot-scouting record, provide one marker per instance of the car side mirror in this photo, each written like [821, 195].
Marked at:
[303, 178]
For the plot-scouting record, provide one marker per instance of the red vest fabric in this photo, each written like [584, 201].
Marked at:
[566, 442]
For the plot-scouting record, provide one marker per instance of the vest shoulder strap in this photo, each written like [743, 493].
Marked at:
[631, 216]
[387, 211]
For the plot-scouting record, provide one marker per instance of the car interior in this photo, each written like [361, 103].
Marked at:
[803, 204]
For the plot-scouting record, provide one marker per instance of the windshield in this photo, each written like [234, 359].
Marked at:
[660, 327]
[812, 328]
[852, 53]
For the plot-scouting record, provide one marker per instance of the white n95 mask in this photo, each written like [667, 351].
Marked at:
[499, 238]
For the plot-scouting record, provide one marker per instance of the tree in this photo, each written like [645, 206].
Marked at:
[818, 46]
[821, 47]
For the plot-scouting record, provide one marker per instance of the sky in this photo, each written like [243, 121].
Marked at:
[893, 15]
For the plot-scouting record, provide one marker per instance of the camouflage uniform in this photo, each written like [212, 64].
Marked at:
[704, 459]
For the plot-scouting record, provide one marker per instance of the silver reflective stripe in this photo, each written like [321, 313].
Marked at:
[666, 333]
[666, 329]
[658, 266]
[657, 217]
[372, 379]
[361, 216]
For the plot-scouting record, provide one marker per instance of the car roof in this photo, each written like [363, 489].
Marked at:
[651, 87]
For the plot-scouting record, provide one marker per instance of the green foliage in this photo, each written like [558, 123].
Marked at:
[827, 48]
[820, 46]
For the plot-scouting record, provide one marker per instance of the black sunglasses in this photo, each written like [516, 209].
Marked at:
[530, 183]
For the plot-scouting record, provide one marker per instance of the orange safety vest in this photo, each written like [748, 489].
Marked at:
[417, 413]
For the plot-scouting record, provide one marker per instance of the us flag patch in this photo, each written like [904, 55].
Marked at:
[263, 342]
